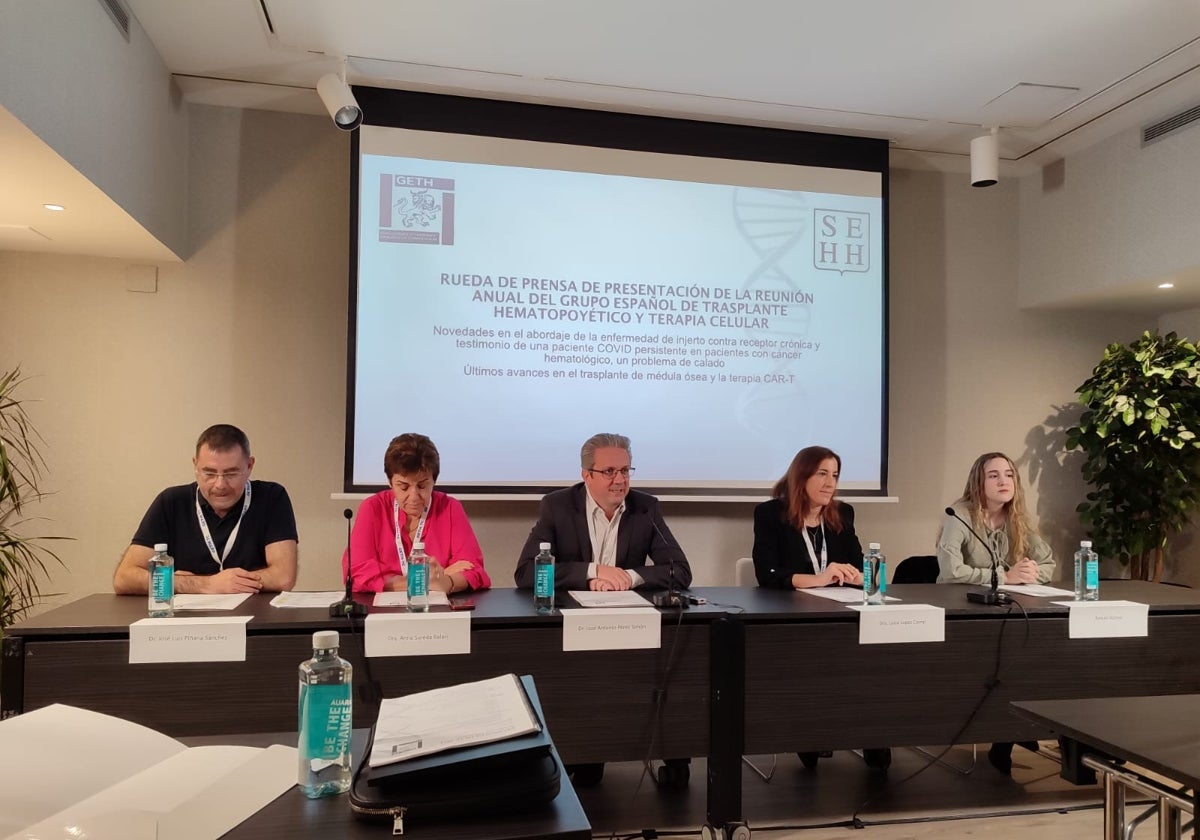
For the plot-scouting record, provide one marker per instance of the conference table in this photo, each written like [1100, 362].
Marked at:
[751, 671]
[1099, 734]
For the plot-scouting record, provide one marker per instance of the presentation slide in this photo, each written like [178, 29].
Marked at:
[514, 298]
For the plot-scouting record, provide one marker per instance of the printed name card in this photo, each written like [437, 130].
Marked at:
[418, 634]
[1106, 619]
[890, 624]
[214, 639]
[615, 628]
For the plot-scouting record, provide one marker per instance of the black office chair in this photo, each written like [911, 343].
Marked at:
[921, 568]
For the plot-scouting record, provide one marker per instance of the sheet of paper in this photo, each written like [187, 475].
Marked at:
[208, 639]
[628, 598]
[185, 786]
[209, 602]
[456, 716]
[1036, 590]
[1106, 619]
[841, 594]
[306, 600]
[417, 634]
[36, 778]
[889, 624]
[400, 599]
[611, 628]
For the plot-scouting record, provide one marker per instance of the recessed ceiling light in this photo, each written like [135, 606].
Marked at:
[1166, 285]
[54, 207]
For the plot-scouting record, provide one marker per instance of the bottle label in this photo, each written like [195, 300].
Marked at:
[543, 580]
[162, 584]
[1093, 574]
[326, 721]
[417, 581]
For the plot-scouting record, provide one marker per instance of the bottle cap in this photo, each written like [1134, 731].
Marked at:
[160, 547]
[325, 639]
[419, 545]
[873, 546]
[544, 546]
[1085, 543]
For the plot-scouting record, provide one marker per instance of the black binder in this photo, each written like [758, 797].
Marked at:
[504, 776]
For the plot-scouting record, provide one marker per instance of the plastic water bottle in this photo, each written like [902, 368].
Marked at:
[162, 583]
[543, 579]
[418, 579]
[1087, 573]
[874, 575]
[326, 719]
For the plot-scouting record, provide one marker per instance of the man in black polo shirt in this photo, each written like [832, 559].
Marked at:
[226, 532]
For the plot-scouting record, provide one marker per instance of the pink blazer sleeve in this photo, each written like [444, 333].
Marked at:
[460, 537]
[369, 537]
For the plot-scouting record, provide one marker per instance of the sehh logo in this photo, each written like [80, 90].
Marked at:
[416, 209]
[840, 240]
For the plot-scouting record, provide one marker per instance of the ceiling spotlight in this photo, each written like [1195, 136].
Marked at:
[339, 100]
[55, 207]
[985, 160]
[1166, 285]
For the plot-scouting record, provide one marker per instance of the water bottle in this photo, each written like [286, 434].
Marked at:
[1087, 573]
[326, 719]
[418, 579]
[162, 583]
[543, 579]
[874, 575]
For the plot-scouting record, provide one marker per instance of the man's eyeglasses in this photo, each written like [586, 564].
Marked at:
[613, 472]
[230, 476]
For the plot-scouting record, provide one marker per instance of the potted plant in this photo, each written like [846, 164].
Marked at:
[23, 558]
[1139, 436]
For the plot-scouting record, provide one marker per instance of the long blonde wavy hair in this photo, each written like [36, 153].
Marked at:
[1016, 522]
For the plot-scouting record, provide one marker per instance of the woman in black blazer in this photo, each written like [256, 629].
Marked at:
[804, 538]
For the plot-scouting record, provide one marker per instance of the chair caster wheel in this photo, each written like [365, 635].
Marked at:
[712, 832]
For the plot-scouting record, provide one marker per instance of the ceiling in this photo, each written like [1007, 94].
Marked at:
[927, 75]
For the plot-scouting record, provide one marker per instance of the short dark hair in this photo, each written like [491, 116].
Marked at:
[411, 453]
[222, 437]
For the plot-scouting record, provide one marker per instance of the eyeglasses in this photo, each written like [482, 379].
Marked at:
[211, 476]
[613, 472]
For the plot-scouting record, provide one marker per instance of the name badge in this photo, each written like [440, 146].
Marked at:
[418, 634]
[214, 639]
[616, 628]
[890, 624]
[1106, 619]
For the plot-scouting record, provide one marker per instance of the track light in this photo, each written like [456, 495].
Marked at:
[985, 159]
[339, 100]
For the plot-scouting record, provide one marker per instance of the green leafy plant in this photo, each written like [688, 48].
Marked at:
[1139, 434]
[23, 558]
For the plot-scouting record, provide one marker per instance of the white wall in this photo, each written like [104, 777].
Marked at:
[106, 105]
[251, 329]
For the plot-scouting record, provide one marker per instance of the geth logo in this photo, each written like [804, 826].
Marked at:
[416, 209]
[840, 240]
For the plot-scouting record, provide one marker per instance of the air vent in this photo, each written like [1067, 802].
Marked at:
[1170, 125]
[119, 15]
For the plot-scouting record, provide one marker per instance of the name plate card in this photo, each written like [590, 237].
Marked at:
[214, 639]
[611, 628]
[418, 634]
[1106, 619]
[891, 624]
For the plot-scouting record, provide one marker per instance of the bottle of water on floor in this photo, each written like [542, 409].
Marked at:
[874, 575]
[326, 719]
[543, 579]
[1087, 573]
[418, 579]
[162, 583]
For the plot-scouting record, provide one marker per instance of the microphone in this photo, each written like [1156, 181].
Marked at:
[993, 596]
[348, 606]
[671, 598]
